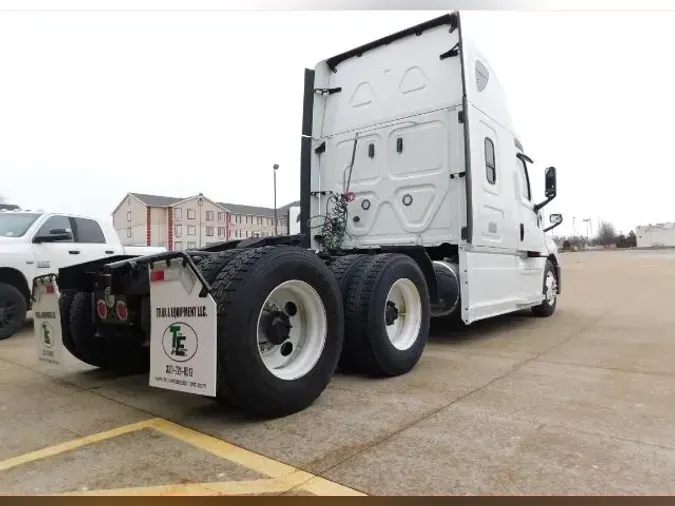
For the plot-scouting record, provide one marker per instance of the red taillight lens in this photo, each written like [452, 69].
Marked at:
[102, 309]
[157, 275]
[49, 288]
[122, 312]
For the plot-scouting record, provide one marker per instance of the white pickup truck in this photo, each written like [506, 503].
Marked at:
[36, 243]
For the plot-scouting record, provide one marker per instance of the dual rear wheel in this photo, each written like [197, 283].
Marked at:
[387, 313]
[285, 321]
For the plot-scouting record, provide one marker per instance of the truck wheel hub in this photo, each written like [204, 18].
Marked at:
[391, 313]
[7, 308]
[277, 327]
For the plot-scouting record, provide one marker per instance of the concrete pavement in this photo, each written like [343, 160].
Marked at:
[577, 403]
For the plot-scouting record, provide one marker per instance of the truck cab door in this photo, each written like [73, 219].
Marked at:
[531, 240]
[50, 256]
[91, 241]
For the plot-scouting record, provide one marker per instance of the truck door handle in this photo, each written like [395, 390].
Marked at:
[522, 232]
[109, 252]
[74, 252]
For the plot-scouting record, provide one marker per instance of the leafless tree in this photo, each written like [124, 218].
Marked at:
[606, 234]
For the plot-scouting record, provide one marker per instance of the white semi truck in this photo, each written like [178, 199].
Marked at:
[34, 243]
[415, 203]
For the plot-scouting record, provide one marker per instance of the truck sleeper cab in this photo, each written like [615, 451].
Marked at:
[415, 203]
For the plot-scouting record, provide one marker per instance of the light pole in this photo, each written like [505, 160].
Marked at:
[200, 202]
[276, 167]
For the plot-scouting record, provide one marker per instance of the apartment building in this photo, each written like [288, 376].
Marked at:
[179, 223]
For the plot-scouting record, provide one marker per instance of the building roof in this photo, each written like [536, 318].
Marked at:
[255, 210]
[156, 200]
[163, 201]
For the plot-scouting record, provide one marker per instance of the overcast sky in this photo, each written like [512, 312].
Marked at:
[97, 104]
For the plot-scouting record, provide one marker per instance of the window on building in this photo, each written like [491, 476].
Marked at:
[221, 216]
[178, 230]
[191, 230]
[191, 215]
[221, 231]
[128, 231]
[260, 220]
[178, 245]
[129, 216]
[191, 245]
[178, 213]
[209, 215]
[209, 231]
[129, 201]
[490, 165]
[88, 231]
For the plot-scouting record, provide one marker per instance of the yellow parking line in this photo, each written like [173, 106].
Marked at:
[317, 486]
[282, 477]
[52, 451]
[226, 450]
[292, 477]
[322, 486]
[243, 487]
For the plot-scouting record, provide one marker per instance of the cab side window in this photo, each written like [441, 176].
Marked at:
[524, 179]
[490, 164]
[88, 231]
[56, 222]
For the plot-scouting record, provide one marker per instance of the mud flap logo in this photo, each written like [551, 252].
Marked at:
[180, 342]
[183, 329]
[46, 323]
[47, 339]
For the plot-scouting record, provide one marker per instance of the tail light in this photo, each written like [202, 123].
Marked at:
[122, 311]
[102, 309]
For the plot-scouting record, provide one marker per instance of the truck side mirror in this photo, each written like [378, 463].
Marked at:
[550, 189]
[555, 219]
[55, 234]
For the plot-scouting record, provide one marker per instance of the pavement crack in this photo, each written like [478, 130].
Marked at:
[610, 436]
[610, 368]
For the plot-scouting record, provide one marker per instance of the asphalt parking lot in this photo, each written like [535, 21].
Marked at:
[578, 403]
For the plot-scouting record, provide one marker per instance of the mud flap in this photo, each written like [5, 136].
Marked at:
[47, 320]
[182, 330]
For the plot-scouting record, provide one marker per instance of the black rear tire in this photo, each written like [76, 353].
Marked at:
[211, 266]
[65, 303]
[240, 290]
[343, 269]
[368, 348]
[13, 310]
[113, 347]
